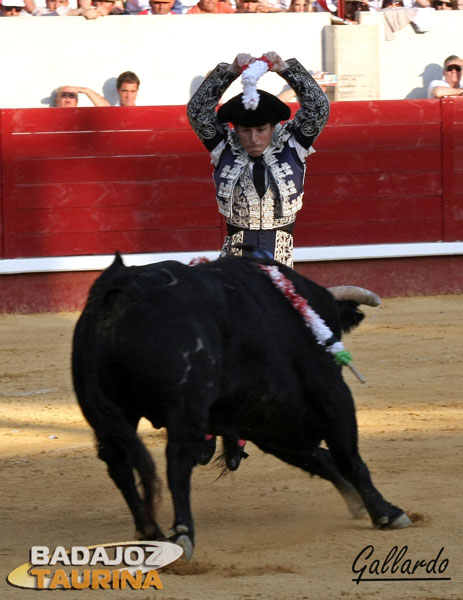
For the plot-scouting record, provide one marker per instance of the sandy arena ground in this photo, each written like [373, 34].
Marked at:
[268, 531]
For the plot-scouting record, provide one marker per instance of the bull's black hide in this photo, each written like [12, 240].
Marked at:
[215, 348]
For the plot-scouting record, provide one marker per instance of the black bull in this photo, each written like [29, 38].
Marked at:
[215, 348]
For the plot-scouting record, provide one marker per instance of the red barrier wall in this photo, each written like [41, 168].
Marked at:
[93, 180]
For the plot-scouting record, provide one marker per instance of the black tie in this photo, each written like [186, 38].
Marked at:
[258, 174]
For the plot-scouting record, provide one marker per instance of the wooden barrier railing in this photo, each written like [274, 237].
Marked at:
[92, 180]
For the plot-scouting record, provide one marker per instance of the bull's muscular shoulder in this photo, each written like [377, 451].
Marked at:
[146, 283]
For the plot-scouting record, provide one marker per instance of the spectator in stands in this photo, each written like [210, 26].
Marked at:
[100, 8]
[12, 8]
[450, 84]
[210, 7]
[67, 96]
[136, 7]
[300, 6]
[183, 6]
[278, 5]
[159, 7]
[416, 3]
[127, 87]
[54, 8]
[247, 6]
[256, 6]
[443, 5]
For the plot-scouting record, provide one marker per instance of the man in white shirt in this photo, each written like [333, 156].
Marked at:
[450, 84]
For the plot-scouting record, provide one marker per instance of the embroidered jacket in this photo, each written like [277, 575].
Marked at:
[284, 158]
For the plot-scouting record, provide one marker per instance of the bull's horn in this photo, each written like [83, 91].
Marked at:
[357, 294]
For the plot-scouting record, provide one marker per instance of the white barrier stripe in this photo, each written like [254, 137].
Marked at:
[54, 264]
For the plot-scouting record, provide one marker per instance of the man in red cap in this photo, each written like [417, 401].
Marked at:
[259, 164]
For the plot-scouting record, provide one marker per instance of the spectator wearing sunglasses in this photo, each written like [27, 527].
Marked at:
[67, 96]
[443, 5]
[12, 8]
[450, 84]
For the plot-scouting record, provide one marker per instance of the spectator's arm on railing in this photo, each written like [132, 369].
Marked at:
[440, 91]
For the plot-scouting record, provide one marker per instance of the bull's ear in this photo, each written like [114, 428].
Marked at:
[118, 259]
[349, 314]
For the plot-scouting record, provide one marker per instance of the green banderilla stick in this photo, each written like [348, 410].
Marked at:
[344, 358]
[359, 376]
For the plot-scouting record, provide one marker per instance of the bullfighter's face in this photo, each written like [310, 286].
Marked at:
[255, 139]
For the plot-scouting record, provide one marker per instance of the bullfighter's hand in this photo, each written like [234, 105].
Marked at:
[241, 60]
[278, 63]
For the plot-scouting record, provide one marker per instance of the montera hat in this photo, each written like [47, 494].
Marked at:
[269, 110]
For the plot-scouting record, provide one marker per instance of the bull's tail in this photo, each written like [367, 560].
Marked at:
[117, 441]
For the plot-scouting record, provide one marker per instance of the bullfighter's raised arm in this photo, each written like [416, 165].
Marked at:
[201, 108]
[314, 111]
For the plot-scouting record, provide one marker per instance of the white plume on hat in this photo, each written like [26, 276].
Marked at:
[249, 79]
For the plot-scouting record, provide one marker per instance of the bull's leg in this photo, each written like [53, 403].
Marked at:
[342, 443]
[182, 456]
[320, 463]
[122, 457]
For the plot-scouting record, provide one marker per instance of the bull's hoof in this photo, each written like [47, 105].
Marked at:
[208, 451]
[152, 534]
[180, 537]
[400, 522]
